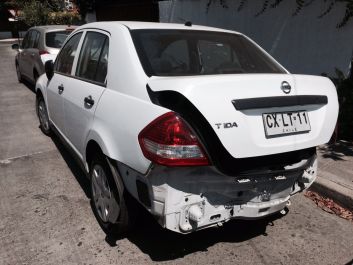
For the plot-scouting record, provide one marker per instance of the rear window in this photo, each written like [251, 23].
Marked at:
[56, 39]
[186, 52]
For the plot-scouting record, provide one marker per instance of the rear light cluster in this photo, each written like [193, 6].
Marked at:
[169, 141]
[41, 52]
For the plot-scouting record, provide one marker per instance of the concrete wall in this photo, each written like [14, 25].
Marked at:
[303, 43]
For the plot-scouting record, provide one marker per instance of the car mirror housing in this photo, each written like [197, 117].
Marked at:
[15, 46]
[49, 69]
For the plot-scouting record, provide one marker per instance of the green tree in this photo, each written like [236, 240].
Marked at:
[47, 12]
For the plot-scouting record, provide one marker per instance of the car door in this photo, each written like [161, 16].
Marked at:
[25, 55]
[60, 81]
[21, 53]
[82, 96]
[33, 56]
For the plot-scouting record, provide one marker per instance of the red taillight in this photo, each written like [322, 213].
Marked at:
[41, 52]
[169, 141]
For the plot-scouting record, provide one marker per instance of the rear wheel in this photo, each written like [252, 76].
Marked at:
[109, 199]
[35, 77]
[43, 115]
[18, 72]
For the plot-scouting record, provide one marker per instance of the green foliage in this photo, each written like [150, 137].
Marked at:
[345, 98]
[33, 12]
[300, 4]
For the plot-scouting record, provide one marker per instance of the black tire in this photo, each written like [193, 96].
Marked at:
[35, 77]
[18, 72]
[42, 114]
[121, 218]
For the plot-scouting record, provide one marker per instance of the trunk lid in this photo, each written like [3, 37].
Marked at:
[241, 129]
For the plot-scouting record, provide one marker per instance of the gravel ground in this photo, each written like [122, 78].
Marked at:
[46, 218]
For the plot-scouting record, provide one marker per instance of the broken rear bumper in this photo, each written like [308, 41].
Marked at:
[189, 199]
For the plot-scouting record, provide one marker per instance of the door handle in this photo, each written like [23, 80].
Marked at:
[61, 89]
[89, 101]
[32, 55]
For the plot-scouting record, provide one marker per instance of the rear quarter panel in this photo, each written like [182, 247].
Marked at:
[119, 118]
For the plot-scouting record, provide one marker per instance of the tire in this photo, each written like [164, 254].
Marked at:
[111, 203]
[43, 117]
[35, 77]
[18, 72]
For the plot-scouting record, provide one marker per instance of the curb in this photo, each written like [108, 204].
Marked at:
[338, 193]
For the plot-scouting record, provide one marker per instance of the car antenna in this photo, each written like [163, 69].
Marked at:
[188, 23]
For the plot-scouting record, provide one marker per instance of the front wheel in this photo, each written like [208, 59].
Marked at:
[43, 116]
[18, 72]
[108, 198]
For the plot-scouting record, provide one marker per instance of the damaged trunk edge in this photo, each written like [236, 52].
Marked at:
[262, 165]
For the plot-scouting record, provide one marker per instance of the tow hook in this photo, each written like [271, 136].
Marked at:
[285, 210]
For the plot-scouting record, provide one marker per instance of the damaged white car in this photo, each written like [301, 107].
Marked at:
[199, 125]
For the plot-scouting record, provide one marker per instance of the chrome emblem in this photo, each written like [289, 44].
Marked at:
[286, 88]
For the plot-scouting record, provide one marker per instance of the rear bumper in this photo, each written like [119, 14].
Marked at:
[190, 199]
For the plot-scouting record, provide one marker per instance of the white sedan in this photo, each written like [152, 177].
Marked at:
[197, 124]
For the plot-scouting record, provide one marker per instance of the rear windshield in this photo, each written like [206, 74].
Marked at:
[56, 39]
[186, 52]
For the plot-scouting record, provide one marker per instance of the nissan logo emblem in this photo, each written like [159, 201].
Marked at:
[286, 88]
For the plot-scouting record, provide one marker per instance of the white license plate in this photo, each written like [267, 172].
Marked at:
[282, 123]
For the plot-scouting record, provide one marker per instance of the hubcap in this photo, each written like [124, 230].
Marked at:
[103, 198]
[43, 115]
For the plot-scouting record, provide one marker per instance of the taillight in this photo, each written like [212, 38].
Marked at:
[41, 52]
[169, 141]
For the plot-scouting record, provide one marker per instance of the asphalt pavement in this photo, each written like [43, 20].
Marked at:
[46, 218]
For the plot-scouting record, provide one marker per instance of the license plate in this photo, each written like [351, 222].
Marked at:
[283, 123]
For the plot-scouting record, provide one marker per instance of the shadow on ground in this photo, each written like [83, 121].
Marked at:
[337, 151]
[163, 245]
[29, 85]
[73, 165]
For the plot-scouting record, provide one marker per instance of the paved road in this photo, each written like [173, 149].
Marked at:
[45, 214]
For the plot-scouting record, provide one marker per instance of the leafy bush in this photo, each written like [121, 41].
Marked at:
[47, 12]
[345, 97]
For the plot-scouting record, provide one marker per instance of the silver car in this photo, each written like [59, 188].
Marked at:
[38, 41]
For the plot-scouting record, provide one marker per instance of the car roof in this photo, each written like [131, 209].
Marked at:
[47, 28]
[152, 25]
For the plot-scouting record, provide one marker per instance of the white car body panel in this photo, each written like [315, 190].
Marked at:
[119, 129]
[248, 139]
[56, 105]
[123, 108]
[78, 115]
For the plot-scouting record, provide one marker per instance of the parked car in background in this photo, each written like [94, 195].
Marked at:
[38, 41]
[198, 124]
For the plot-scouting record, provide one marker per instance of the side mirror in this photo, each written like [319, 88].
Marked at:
[15, 46]
[49, 69]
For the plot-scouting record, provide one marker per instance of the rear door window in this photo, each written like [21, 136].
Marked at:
[31, 39]
[36, 39]
[55, 39]
[64, 62]
[93, 61]
[25, 40]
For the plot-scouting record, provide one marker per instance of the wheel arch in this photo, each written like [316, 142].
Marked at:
[96, 143]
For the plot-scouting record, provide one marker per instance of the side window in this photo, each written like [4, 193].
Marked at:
[31, 40]
[25, 41]
[66, 57]
[36, 39]
[93, 61]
